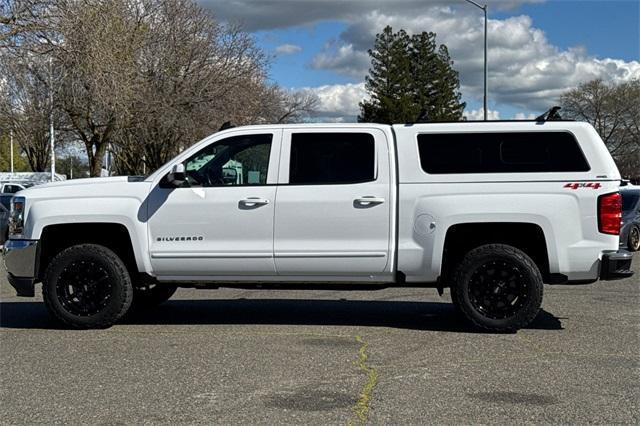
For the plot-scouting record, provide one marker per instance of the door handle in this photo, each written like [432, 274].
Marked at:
[368, 200]
[254, 201]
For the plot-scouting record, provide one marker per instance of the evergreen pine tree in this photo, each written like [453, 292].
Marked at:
[409, 77]
[446, 104]
[389, 80]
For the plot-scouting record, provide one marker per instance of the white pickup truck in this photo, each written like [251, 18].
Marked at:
[491, 210]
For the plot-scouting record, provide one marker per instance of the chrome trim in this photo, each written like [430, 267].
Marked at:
[328, 254]
[304, 255]
[20, 257]
[201, 255]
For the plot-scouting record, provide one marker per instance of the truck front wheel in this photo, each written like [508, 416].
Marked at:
[87, 286]
[498, 288]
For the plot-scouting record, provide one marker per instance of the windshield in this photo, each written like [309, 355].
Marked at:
[629, 200]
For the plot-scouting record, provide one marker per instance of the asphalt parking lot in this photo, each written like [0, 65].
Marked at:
[396, 356]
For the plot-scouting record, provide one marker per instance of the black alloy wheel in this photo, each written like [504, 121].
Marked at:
[84, 288]
[87, 286]
[498, 289]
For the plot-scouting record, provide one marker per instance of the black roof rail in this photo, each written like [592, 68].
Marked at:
[549, 115]
[226, 125]
[482, 121]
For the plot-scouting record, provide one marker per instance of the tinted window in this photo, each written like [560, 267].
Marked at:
[522, 152]
[331, 158]
[6, 201]
[629, 200]
[238, 160]
[12, 189]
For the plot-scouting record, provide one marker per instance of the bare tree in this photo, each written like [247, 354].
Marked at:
[297, 106]
[194, 74]
[20, 19]
[614, 111]
[283, 106]
[25, 108]
[147, 78]
[98, 56]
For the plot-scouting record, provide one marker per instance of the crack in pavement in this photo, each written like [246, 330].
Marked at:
[363, 405]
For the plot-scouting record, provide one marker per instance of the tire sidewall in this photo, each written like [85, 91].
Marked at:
[482, 255]
[120, 296]
[631, 247]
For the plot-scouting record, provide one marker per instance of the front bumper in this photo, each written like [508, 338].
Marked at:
[21, 262]
[616, 265]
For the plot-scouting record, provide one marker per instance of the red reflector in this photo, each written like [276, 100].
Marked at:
[610, 213]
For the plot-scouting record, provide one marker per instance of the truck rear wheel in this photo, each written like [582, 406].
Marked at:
[498, 288]
[87, 286]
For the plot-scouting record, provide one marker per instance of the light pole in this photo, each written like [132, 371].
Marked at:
[484, 9]
[51, 129]
[11, 148]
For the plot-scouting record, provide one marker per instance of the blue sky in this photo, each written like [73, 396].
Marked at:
[606, 28]
[538, 49]
[296, 70]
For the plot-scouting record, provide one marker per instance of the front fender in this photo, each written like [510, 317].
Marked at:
[122, 211]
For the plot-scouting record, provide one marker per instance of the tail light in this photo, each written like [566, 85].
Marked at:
[610, 213]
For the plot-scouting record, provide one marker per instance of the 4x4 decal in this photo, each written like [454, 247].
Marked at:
[592, 185]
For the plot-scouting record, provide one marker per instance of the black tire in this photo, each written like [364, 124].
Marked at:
[455, 299]
[498, 288]
[634, 239]
[87, 286]
[151, 295]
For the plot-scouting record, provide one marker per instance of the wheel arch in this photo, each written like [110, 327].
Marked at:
[462, 237]
[116, 236]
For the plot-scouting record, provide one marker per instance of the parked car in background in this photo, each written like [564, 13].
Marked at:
[630, 232]
[5, 206]
[12, 188]
[4, 224]
[5, 200]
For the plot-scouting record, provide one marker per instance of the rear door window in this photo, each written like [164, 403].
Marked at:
[331, 158]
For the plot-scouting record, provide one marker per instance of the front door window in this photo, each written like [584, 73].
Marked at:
[235, 161]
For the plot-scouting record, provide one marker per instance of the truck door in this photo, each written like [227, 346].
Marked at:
[220, 223]
[333, 206]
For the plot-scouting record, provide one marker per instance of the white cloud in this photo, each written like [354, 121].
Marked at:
[287, 49]
[523, 116]
[526, 72]
[344, 60]
[478, 114]
[338, 102]
[270, 14]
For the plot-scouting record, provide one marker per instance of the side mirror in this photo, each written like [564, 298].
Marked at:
[176, 176]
